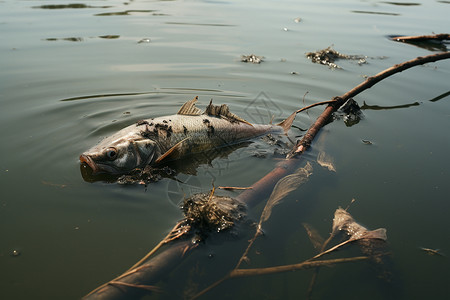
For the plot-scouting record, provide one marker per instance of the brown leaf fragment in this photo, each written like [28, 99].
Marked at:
[326, 161]
[343, 221]
[284, 186]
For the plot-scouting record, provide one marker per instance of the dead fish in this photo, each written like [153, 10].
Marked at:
[154, 141]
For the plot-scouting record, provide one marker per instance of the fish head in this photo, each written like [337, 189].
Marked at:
[120, 155]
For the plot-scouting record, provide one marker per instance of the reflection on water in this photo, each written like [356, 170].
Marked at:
[402, 3]
[187, 166]
[378, 107]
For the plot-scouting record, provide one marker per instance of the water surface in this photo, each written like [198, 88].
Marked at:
[72, 73]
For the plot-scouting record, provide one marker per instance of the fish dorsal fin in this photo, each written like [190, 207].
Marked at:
[189, 108]
[173, 153]
[223, 112]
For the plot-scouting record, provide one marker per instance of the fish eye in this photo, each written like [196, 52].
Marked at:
[111, 153]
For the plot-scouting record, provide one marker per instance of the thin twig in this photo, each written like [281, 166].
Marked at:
[294, 267]
[170, 237]
[280, 269]
[420, 38]
[315, 104]
[322, 249]
[137, 286]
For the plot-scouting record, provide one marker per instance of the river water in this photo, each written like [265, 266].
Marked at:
[74, 72]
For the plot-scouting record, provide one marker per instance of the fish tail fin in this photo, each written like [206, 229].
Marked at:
[287, 123]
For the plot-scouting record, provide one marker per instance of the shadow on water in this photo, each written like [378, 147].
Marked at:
[402, 3]
[428, 44]
[440, 97]
[188, 166]
[378, 107]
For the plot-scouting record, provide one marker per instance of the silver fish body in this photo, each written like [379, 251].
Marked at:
[152, 141]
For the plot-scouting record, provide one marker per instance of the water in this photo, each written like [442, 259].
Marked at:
[72, 74]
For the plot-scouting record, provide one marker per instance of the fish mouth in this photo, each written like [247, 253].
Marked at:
[86, 159]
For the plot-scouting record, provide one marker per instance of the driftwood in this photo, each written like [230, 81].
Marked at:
[143, 278]
[434, 42]
[422, 38]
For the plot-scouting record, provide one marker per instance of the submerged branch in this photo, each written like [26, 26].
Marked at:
[307, 264]
[294, 267]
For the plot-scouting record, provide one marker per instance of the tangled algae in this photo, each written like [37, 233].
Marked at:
[211, 213]
[328, 56]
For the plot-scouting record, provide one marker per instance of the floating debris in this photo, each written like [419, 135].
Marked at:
[367, 142]
[328, 56]
[344, 222]
[434, 42]
[69, 39]
[432, 251]
[297, 20]
[252, 58]
[145, 40]
[68, 6]
[326, 161]
[15, 253]
[146, 175]
[123, 13]
[211, 213]
[350, 112]
[109, 36]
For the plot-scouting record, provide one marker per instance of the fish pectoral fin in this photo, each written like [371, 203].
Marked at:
[287, 123]
[173, 153]
[189, 108]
